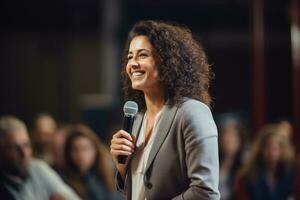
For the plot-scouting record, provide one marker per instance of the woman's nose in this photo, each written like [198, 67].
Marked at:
[133, 63]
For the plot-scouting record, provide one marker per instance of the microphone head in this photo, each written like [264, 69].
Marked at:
[130, 108]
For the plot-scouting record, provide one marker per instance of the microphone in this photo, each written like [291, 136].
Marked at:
[130, 110]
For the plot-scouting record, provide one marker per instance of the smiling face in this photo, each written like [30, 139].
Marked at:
[142, 65]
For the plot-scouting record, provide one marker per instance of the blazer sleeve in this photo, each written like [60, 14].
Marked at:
[119, 183]
[201, 150]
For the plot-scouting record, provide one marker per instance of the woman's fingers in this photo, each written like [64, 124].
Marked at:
[120, 152]
[123, 134]
[122, 141]
[122, 147]
[122, 144]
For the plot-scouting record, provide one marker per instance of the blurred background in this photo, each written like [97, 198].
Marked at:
[63, 59]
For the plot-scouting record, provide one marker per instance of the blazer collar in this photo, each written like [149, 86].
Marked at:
[162, 132]
[136, 129]
[137, 124]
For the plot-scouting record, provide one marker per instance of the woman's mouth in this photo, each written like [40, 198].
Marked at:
[137, 74]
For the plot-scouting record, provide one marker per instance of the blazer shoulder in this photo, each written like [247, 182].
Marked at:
[192, 105]
[197, 117]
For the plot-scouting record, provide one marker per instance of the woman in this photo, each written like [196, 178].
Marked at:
[267, 174]
[173, 150]
[88, 168]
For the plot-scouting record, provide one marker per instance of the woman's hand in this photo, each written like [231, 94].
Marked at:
[122, 144]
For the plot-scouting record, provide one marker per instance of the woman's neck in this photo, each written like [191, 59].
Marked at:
[154, 103]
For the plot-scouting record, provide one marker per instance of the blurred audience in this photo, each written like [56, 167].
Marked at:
[59, 138]
[231, 151]
[42, 135]
[21, 176]
[285, 129]
[268, 173]
[88, 166]
[79, 156]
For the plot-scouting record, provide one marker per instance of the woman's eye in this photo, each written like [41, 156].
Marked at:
[129, 57]
[143, 55]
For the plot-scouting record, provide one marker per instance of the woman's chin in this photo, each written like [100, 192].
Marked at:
[137, 87]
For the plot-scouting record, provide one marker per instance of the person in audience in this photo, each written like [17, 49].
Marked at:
[231, 150]
[88, 166]
[21, 176]
[268, 172]
[59, 138]
[42, 135]
[285, 128]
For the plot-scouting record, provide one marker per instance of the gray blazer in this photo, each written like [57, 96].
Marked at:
[183, 163]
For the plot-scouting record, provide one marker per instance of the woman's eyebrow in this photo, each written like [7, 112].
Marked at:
[138, 51]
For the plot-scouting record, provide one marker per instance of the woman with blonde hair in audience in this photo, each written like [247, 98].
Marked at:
[88, 166]
[268, 173]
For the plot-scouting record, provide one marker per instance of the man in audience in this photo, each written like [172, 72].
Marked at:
[21, 176]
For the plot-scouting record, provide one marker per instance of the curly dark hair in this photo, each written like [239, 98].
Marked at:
[183, 70]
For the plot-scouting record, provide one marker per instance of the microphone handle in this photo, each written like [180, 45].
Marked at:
[127, 126]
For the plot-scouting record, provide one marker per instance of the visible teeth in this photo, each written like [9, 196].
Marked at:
[137, 73]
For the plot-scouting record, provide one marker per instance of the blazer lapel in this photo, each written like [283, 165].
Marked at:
[162, 132]
[137, 124]
[136, 129]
